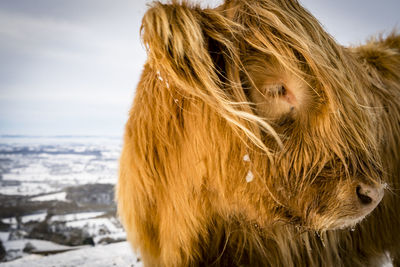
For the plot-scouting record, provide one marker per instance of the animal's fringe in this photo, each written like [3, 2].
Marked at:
[180, 52]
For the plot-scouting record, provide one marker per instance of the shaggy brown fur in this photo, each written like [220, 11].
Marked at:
[256, 140]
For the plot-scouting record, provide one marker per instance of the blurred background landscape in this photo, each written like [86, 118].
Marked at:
[57, 193]
[67, 78]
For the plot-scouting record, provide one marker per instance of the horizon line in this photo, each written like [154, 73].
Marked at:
[58, 136]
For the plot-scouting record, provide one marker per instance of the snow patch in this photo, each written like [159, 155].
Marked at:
[98, 226]
[76, 216]
[38, 244]
[61, 196]
[4, 236]
[117, 254]
[27, 218]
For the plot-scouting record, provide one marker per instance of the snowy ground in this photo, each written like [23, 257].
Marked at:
[35, 165]
[60, 190]
[117, 254]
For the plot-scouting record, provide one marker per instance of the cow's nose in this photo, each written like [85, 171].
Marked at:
[368, 194]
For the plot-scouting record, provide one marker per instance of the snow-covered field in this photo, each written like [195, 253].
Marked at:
[35, 165]
[117, 254]
[57, 199]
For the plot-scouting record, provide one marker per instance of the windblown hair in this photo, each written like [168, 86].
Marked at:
[256, 140]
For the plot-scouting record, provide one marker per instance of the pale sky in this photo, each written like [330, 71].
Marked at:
[70, 67]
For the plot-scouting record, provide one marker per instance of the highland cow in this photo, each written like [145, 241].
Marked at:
[256, 140]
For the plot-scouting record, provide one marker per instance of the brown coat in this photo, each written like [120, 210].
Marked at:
[256, 140]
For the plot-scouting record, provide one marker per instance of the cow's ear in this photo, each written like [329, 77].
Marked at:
[184, 43]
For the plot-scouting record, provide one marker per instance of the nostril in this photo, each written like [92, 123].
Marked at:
[363, 196]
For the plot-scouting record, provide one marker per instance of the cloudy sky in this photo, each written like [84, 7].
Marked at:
[71, 66]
